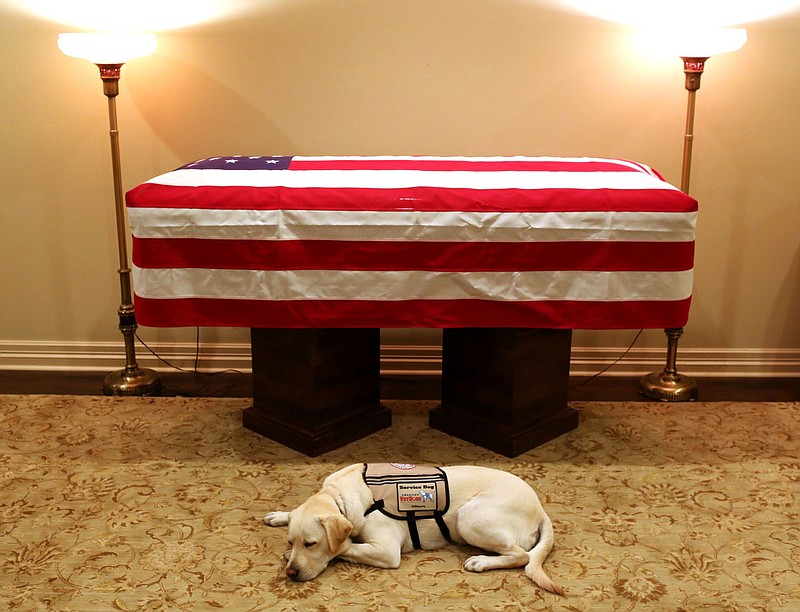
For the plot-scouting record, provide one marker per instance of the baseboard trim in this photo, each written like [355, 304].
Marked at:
[418, 360]
[396, 360]
[105, 356]
[717, 363]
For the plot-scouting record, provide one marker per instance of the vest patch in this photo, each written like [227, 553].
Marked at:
[418, 496]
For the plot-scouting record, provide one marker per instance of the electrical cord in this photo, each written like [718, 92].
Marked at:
[206, 377]
[611, 365]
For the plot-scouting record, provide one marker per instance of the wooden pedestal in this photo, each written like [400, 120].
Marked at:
[315, 390]
[505, 389]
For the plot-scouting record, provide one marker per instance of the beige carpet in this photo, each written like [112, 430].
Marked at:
[154, 504]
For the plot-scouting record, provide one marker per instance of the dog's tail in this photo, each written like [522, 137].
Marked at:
[538, 554]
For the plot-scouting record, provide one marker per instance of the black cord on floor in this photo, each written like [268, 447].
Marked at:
[611, 365]
[206, 377]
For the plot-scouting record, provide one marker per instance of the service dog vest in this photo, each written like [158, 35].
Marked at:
[408, 492]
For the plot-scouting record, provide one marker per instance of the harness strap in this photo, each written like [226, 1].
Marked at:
[376, 505]
[442, 527]
[412, 530]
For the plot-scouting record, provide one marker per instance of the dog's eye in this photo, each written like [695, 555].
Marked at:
[309, 544]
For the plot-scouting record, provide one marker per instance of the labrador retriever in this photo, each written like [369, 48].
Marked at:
[489, 509]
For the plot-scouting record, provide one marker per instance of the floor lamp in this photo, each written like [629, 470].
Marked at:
[669, 385]
[109, 51]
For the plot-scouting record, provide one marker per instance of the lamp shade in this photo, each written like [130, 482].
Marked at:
[706, 43]
[107, 47]
[670, 42]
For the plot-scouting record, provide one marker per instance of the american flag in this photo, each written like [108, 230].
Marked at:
[412, 241]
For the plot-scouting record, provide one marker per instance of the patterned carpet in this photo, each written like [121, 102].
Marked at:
[154, 504]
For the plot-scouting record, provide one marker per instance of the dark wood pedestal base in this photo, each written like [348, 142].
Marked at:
[505, 389]
[315, 390]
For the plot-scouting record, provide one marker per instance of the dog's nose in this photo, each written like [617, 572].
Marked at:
[292, 572]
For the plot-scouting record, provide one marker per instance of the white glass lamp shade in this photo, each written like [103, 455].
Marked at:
[670, 42]
[707, 43]
[107, 47]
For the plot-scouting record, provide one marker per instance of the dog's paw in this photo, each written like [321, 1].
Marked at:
[276, 519]
[478, 563]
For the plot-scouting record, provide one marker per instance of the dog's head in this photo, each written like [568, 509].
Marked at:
[317, 533]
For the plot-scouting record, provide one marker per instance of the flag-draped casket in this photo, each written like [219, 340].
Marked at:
[412, 242]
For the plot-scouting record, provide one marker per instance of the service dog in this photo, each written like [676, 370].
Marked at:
[487, 508]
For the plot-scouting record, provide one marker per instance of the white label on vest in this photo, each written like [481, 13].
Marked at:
[415, 497]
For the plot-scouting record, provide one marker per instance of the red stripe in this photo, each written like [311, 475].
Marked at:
[464, 165]
[423, 199]
[412, 313]
[388, 255]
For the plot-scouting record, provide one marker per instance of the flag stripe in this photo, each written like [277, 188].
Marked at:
[398, 285]
[411, 225]
[401, 255]
[555, 314]
[471, 164]
[416, 198]
[409, 179]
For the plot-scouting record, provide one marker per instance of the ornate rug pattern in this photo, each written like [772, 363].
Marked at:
[155, 504]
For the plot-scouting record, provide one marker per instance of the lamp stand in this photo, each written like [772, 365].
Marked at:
[132, 380]
[668, 385]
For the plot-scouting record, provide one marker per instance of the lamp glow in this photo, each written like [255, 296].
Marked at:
[677, 12]
[136, 15]
[107, 47]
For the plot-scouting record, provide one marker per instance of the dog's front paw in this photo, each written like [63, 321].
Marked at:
[276, 519]
[476, 564]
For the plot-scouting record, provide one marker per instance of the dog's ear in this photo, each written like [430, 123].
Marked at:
[337, 528]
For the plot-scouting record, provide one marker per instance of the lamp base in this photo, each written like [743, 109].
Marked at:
[135, 382]
[668, 386]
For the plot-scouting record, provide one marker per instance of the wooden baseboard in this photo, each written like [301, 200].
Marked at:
[396, 360]
[407, 372]
[697, 362]
[402, 387]
[108, 356]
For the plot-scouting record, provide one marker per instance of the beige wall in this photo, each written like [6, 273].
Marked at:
[460, 77]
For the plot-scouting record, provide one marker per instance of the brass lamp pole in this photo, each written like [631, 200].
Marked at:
[109, 52]
[669, 385]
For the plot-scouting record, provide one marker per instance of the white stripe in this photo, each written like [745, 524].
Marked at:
[397, 285]
[410, 225]
[401, 179]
